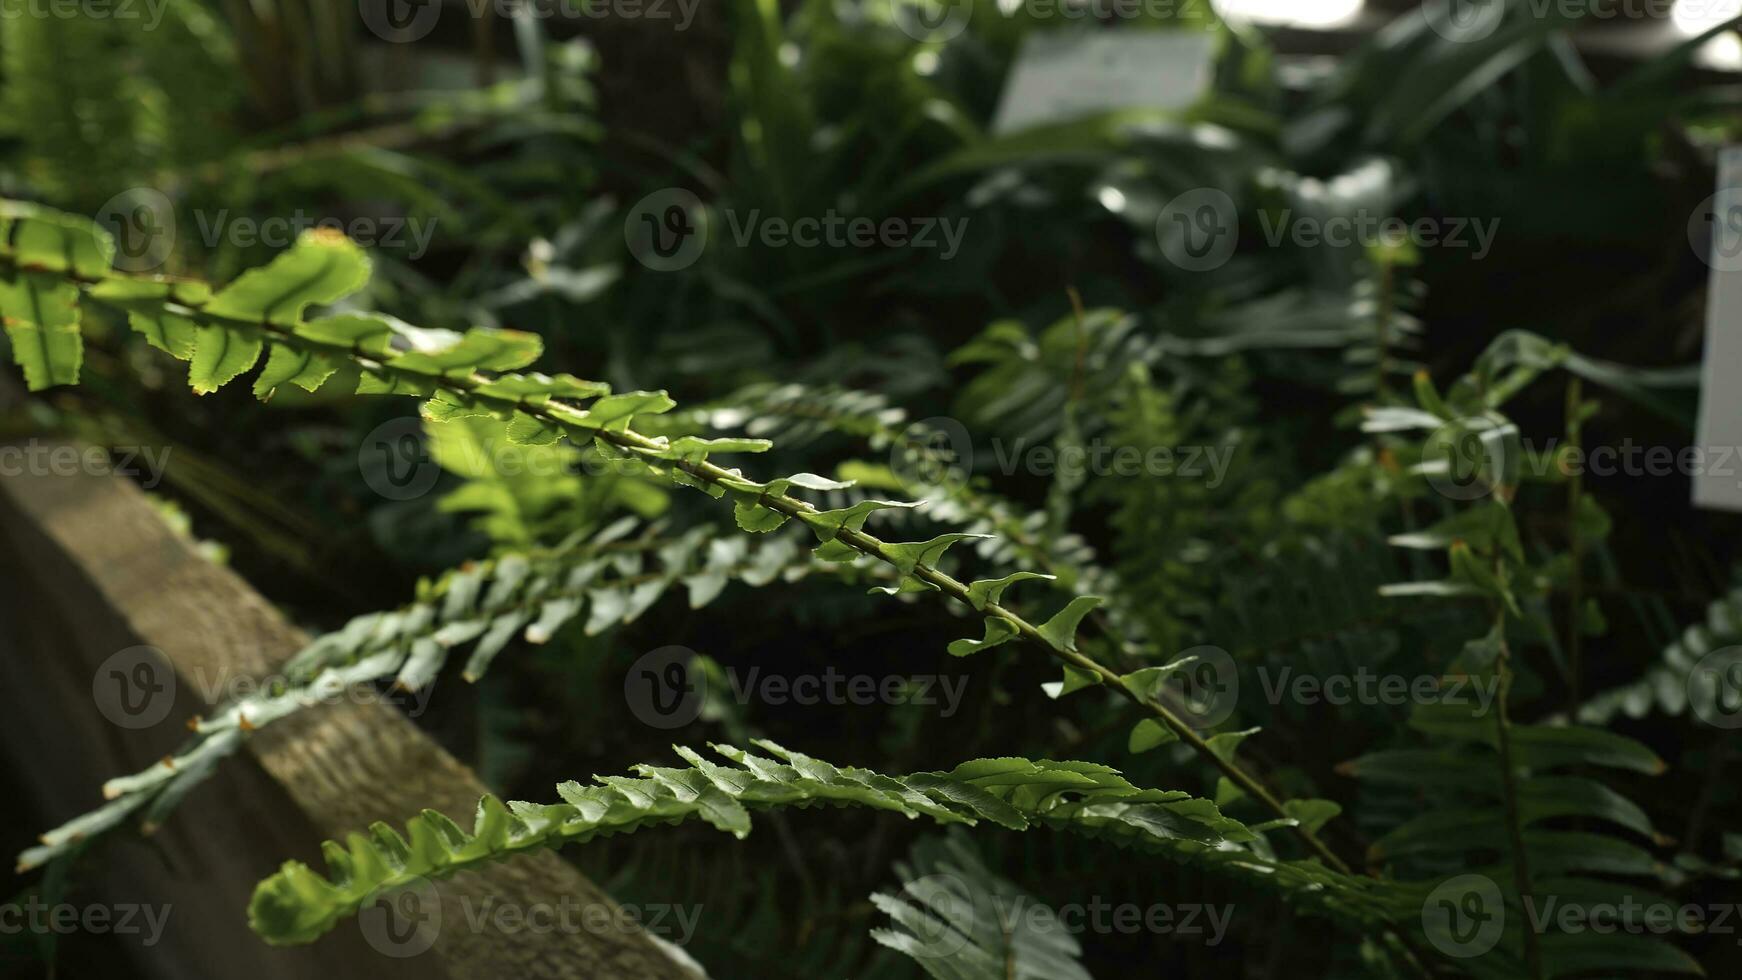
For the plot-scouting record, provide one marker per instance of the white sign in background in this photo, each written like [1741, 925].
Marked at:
[1721, 383]
[1062, 75]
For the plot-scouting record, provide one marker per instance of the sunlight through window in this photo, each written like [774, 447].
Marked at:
[1291, 13]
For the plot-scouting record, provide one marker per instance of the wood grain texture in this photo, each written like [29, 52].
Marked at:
[88, 569]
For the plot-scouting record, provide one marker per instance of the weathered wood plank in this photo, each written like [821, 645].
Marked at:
[87, 569]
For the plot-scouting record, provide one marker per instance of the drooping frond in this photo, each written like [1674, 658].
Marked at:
[297, 905]
[603, 581]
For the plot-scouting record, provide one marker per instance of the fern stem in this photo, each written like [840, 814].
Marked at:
[1385, 304]
[570, 418]
[1509, 792]
[1576, 545]
[566, 416]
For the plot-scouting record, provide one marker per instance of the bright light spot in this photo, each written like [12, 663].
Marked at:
[1695, 17]
[1112, 199]
[1723, 53]
[1293, 13]
[925, 62]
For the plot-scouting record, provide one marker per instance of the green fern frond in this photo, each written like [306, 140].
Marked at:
[456, 374]
[959, 921]
[1668, 684]
[1465, 823]
[604, 581]
[296, 905]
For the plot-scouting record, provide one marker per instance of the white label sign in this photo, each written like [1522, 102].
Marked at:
[1721, 385]
[1067, 74]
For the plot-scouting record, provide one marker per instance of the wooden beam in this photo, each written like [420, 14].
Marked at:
[88, 569]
